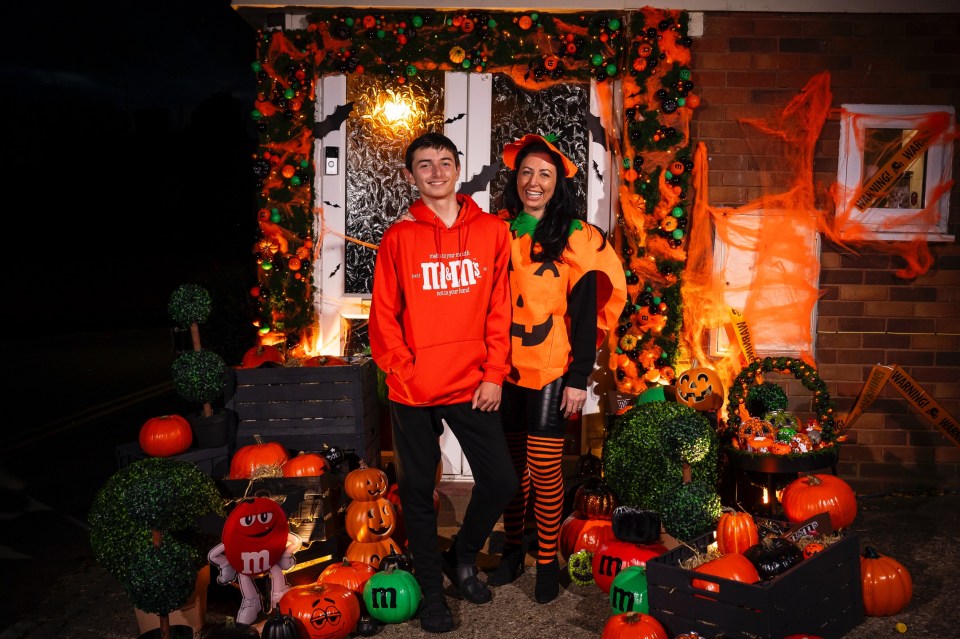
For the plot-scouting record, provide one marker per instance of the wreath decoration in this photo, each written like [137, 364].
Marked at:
[808, 376]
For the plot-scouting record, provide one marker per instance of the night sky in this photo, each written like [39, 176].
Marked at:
[126, 159]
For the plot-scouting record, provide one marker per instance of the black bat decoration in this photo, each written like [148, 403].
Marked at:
[335, 271]
[454, 119]
[333, 121]
[596, 128]
[481, 180]
[596, 170]
[331, 204]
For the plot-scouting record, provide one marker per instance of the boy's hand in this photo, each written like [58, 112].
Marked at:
[487, 397]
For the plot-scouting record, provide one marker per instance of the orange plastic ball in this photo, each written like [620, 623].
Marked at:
[288, 171]
[693, 101]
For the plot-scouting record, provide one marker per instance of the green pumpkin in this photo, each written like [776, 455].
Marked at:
[628, 592]
[392, 595]
[280, 626]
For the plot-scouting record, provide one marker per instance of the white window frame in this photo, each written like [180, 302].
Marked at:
[735, 265]
[855, 119]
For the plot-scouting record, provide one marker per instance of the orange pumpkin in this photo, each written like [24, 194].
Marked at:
[260, 355]
[733, 566]
[325, 611]
[807, 496]
[365, 483]
[371, 552]
[700, 389]
[887, 584]
[257, 459]
[633, 625]
[350, 574]
[578, 533]
[305, 465]
[165, 435]
[812, 548]
[370, 520]
[736, 531]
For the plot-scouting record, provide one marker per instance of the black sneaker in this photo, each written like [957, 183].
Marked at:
[464, 577]
[434, 614]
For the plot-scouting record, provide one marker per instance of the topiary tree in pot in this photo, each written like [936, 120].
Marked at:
[664, 456]
[200, 375]
[145, 531]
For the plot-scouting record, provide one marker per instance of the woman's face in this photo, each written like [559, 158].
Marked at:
[536, 181]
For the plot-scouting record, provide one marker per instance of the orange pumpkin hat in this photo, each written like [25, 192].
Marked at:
[511, 150]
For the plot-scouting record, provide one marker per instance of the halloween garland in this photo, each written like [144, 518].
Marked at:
[822, 403]
[647, 50]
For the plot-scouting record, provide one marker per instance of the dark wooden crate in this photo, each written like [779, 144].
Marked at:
[821, 596]
[314, 505]
[315, 511]
[304, 408]
[212, 461]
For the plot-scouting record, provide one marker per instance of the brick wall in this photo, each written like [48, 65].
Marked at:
[750, 65]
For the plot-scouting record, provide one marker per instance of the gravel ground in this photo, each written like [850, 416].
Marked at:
[917, 529]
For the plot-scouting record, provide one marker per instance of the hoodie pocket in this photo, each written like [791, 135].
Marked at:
[446, 372]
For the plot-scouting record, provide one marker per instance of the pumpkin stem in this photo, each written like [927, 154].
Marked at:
[870, 553]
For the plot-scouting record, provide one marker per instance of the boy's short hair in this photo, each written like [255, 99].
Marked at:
[431, 140]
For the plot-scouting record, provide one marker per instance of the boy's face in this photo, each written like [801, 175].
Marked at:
[435, 172]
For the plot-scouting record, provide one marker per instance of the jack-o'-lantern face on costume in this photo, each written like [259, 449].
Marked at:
[529, 323]
[700, 389]
[255, 535]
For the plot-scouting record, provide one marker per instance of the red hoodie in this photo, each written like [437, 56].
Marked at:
[440, 316]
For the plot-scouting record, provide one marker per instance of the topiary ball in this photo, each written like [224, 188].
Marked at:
[764, 398]
[199, 376]
[690, 510]
[643, 455]
[190, 304]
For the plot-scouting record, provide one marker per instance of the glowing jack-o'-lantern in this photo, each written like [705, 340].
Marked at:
[700, 389]
[255, 535]
[371, 520]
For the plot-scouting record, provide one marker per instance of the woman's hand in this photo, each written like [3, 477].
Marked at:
[572, 402]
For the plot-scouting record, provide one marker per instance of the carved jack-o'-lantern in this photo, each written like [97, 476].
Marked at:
[700, 389]
[371, 520]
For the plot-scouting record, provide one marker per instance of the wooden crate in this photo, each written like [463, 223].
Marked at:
[305, 408]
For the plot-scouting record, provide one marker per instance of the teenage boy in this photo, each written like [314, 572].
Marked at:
[440, 330]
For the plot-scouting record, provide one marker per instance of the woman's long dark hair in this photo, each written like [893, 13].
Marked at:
[553, 229]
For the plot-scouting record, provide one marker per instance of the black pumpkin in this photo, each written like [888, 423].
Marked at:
[280, 626]
[367, 626]
[635, 525]
[594, 499]
[399, 561]
[773, 556]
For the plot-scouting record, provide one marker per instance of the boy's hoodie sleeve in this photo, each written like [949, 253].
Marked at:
[499, 316]
[387, 345]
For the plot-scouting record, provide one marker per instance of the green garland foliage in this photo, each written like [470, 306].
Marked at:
[747, 378]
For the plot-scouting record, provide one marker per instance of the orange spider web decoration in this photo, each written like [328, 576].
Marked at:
[781, 296]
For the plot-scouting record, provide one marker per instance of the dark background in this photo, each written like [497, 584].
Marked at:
[127, 164]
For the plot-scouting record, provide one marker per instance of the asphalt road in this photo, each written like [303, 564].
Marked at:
[76, 398]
